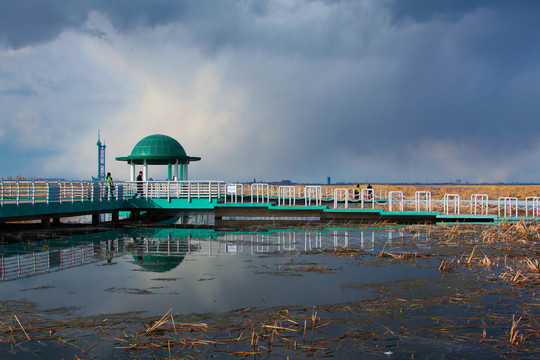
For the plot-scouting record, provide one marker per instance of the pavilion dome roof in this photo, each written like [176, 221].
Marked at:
[157, 150]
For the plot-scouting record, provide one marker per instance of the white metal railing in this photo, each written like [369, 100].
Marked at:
[479, 204]
[287, 193]
[313, 193]
[367, 194]
[451, 199]
[260, 193]
[534, 201]
[19, 192]
[508, 206]
[341, 194]
[31, 192]
[423, 198]
[395, 196]
[232, 191]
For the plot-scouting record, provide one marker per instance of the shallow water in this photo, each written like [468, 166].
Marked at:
[197, 271]
[107, 285]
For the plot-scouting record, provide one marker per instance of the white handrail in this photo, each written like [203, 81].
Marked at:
[313, 193]
[447, 200]
[400, 199]
[507, 203]
[421, 197]
[368, 194]
[535, 200]
[287, 193]
[341, 194]
[479, 200]
[258, 190]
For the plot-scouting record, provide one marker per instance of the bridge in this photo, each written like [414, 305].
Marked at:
[235, 203]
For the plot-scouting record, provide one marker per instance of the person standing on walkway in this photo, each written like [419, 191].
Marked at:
[139, 185]
[110, 186]
[370, 192]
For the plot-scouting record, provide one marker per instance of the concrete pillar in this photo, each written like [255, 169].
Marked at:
[145, 171]
[132, 175]
[177, 171]
[95, 219]
[186, 176]
[115, 216]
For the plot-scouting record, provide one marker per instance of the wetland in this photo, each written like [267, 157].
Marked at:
[387, 292]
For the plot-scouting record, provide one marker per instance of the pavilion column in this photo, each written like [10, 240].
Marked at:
[169, 172]
[176, 171]
[132, 175]
[186, 177]
[145, 170]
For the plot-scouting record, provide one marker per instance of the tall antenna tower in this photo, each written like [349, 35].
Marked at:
[101, 159]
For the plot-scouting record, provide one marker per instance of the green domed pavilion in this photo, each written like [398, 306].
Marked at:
[159, 150]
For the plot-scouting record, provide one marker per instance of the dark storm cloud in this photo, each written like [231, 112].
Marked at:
[361, 77]
[29, 22]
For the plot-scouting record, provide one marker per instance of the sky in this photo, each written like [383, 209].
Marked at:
[360, 91]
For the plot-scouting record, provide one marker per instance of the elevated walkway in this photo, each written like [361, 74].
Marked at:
[238, 204]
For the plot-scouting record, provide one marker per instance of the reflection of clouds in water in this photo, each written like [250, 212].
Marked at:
[167, 252]
[238, 269]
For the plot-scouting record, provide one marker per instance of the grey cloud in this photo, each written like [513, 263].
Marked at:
[27, 22]
[449, 10]
[22, 90]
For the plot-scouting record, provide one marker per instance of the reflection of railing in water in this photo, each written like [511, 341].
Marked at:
[26, 264]
[41, 262]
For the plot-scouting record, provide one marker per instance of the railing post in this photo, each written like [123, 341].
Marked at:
[369, 194]
[48, 191]
[18, 193]
[420, 196]
[33, 192]
[481, 200]
[309, 191]
[446, 204]
[338, 192]
[391, 194]
[507, 204]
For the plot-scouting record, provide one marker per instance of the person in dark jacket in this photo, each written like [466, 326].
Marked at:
[139, 185]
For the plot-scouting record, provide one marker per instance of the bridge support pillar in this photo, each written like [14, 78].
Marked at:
[134, 214]
[46, 221]
[95, 219]
[115, 216]
[56, 221]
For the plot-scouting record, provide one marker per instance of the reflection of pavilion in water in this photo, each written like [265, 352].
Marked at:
[163, 250]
